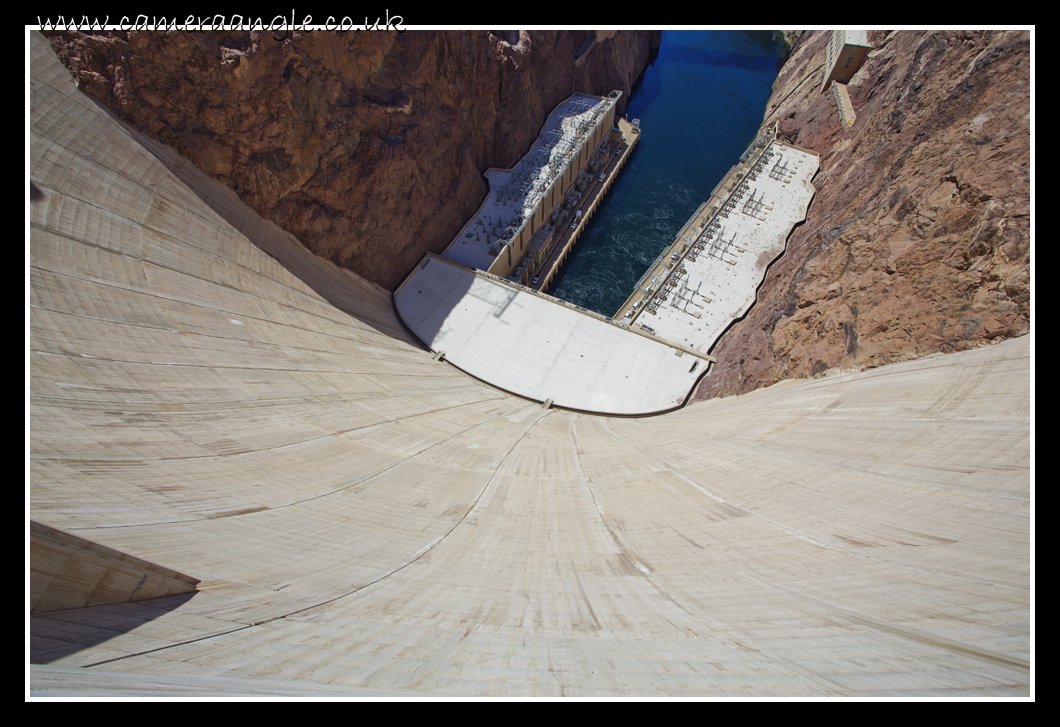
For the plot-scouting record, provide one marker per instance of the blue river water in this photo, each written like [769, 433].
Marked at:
[700, 103]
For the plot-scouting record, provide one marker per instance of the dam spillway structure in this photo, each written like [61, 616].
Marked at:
[358, 518]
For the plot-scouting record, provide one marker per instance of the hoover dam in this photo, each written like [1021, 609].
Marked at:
[323, 508]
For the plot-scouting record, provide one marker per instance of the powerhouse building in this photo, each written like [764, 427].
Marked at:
[532, 200]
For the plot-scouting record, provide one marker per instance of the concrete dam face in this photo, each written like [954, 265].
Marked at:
[210, 402]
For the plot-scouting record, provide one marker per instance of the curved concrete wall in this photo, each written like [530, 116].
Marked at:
[70, 572]
[366, 520]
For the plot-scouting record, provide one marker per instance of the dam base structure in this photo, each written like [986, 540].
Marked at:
[356, 517]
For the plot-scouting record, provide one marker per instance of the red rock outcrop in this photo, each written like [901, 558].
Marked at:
[367, 146]
[918, 240]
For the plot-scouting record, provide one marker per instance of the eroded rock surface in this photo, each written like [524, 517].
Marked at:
[918, 240]
[368, 147]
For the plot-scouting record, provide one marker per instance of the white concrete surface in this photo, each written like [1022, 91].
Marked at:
[534, 346]
[720, 284]
[206, 395]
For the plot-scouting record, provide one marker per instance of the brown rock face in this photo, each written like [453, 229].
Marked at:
[918, 239]
[369, 147]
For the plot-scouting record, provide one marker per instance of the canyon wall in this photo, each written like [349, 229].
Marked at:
[367, 146]
[918, 240]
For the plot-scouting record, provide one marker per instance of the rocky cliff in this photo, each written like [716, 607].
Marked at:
[918, 240]
[367, 146]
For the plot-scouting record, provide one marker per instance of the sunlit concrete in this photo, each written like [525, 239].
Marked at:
[536, 346]
[722, 255]
[365, 519]
[70, 572]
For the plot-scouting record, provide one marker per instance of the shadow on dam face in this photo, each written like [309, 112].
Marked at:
[207, 396]
[332, 283]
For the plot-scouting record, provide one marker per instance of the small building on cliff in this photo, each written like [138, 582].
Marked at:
[847, 50]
